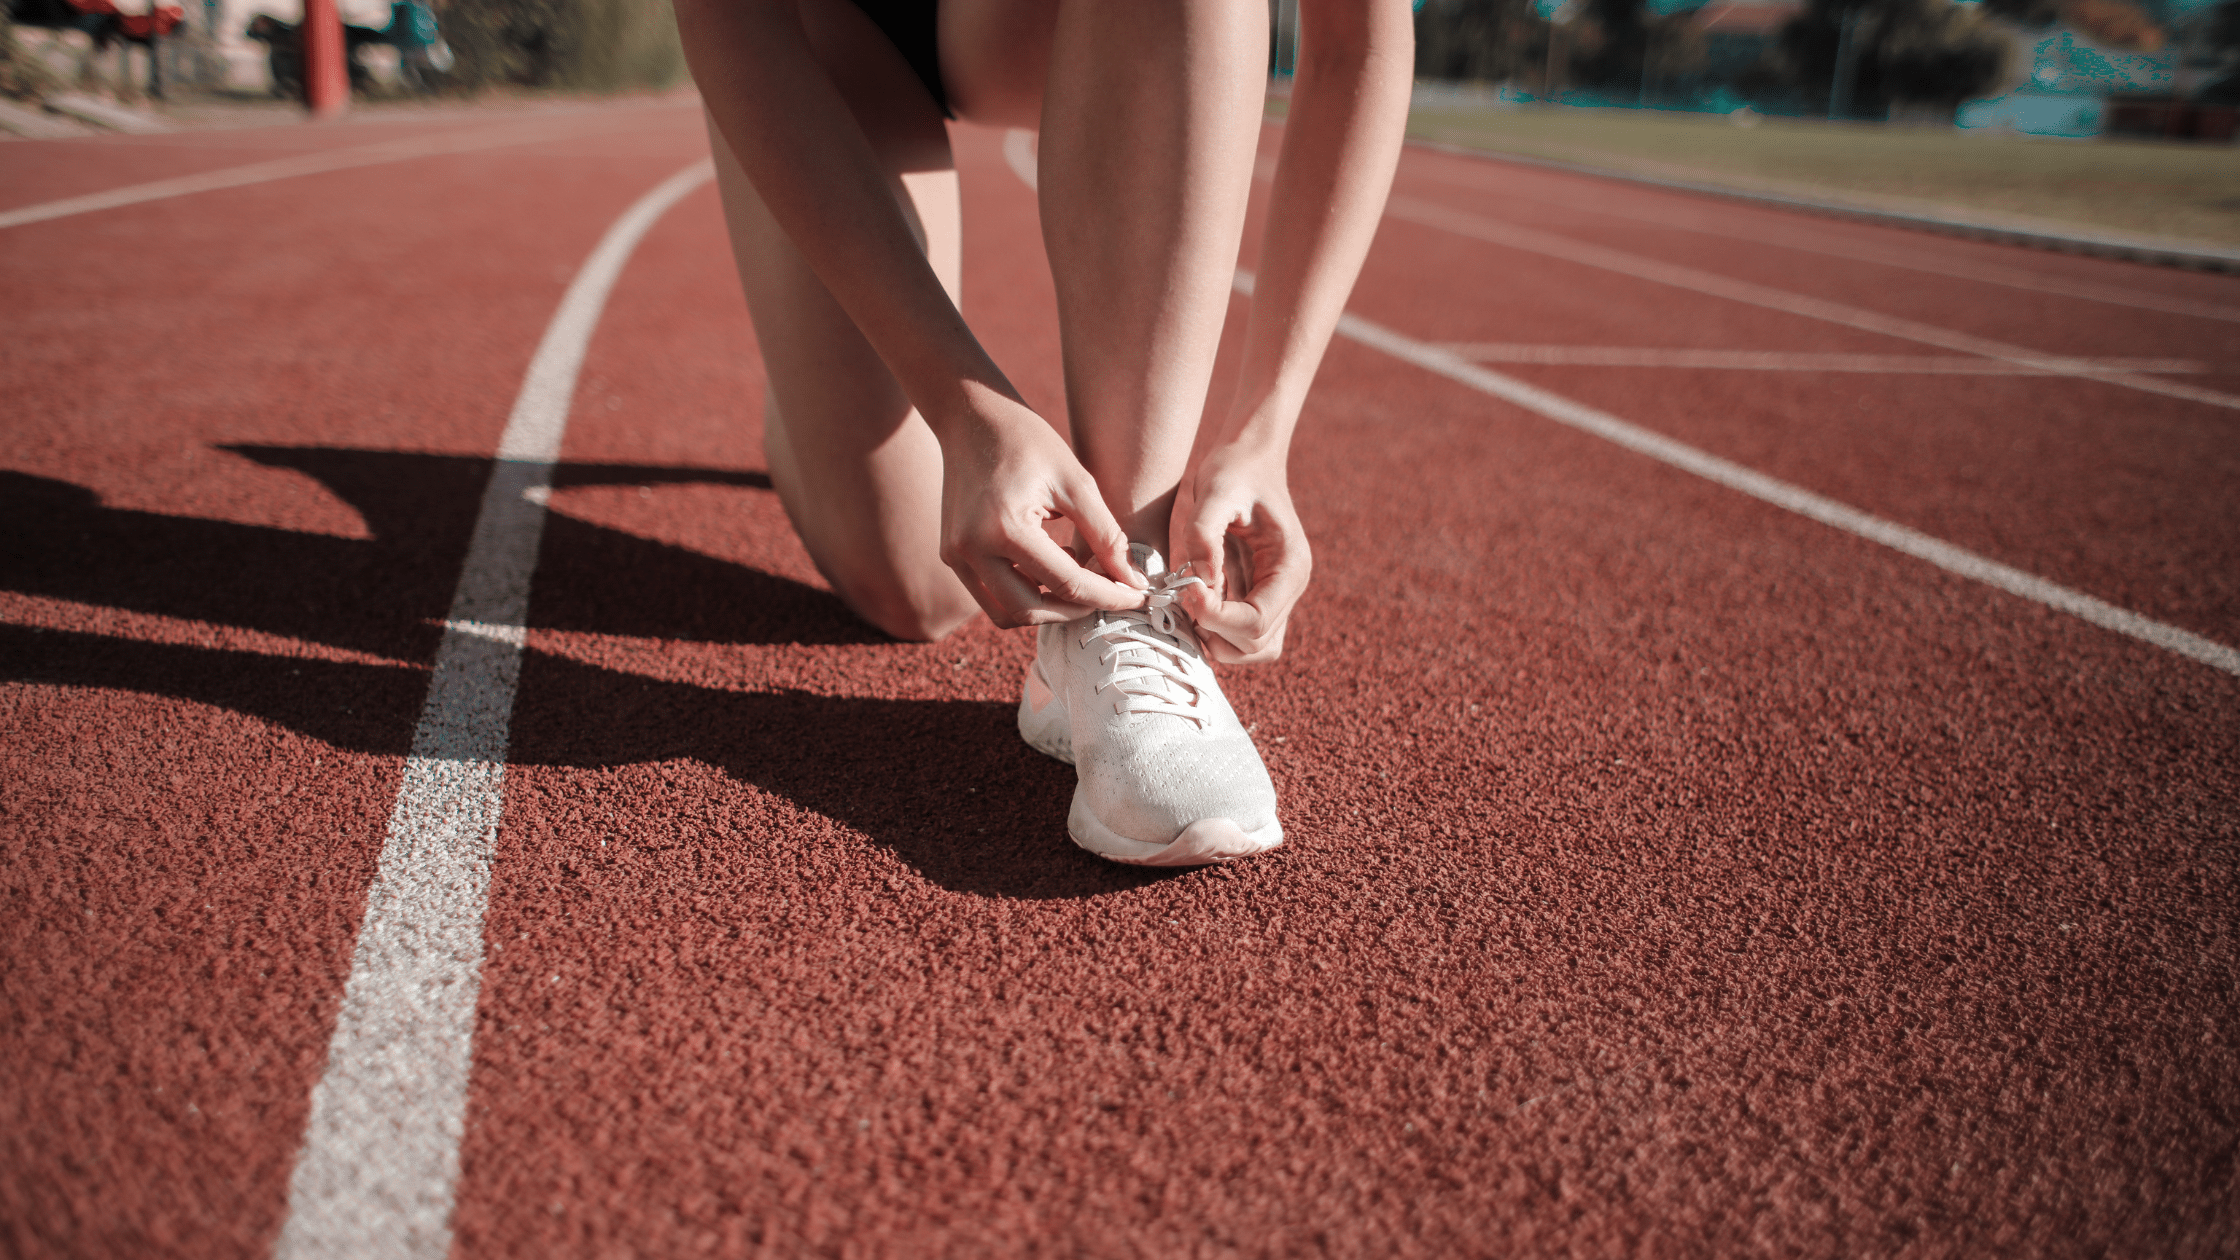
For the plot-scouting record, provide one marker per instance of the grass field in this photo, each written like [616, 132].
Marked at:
[2186, 191]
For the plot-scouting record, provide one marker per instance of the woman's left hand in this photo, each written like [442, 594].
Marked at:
[1234, 524]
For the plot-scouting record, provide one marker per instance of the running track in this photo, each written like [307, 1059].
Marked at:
[1760, 755]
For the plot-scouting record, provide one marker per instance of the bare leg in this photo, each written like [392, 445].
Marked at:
[857, 469]
[1148, 110]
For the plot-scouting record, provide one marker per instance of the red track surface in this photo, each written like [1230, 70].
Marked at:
[1667, 872]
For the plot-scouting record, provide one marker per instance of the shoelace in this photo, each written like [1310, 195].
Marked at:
[1146, 653]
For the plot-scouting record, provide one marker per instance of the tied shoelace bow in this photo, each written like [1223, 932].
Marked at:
[1146, 650]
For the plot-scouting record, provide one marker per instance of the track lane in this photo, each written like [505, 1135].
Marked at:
[1783, 298]
[102, 167]
[1793, 498]
[1652, 848]
[782, 970]
[1826, 236]
[1926, 279]
[1963, 304]
[380, 1155]
[1801, 238]
[2095, 487]
[243, 440]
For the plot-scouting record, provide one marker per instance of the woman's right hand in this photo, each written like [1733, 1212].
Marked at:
[1004, 475]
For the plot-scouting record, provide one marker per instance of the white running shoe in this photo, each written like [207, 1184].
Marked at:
[1168, 775]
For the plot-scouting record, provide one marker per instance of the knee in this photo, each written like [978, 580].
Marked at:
[913, 611]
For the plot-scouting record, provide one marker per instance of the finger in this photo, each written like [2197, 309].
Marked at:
[1236, 623]
[1023, 605]
[1100, 534]
[1202, 536]
[1044, 561]
[1228, 579]
[1237, 566]
[1255, 624]
[979, 591]
[1227, 653]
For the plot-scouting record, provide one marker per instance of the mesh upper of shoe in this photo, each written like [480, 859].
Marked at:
[1156, 743]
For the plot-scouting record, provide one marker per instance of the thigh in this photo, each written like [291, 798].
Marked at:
[858, 471]
[995, 58]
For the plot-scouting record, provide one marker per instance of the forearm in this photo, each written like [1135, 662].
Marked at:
[813, 167]
[1341, 141]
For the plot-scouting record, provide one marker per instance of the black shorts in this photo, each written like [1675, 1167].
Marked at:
[913, 26]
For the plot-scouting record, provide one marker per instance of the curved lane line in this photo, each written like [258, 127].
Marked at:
[380, 1157]
[299, 165]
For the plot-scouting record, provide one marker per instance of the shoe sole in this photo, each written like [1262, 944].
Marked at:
[1047, 732]
[1207, 842]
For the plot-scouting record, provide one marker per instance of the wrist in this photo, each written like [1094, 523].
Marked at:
[969, 411]
[1247, 441]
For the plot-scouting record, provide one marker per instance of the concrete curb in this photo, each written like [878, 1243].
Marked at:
[2145, 249]
[102, 114]
[31, 124]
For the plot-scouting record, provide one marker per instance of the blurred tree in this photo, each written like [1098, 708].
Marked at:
[21, 74]
[2111, 23]
[1604, 47]
[2220, 39]
[1490, 40]
[2025, 12]
[1677, 50]
[2223, 32]
[2115, 24]
[1613, 45]
[1906, 51]
[1940, 53]
[584, 45]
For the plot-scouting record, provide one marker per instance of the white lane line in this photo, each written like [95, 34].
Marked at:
[380, 1157]
[1782, 494]
[1764, 231]
[307, 164]
[1788, 361]
[1548, 244]
[1772, 489]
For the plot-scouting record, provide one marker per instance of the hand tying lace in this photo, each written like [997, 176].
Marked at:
[1146, 651]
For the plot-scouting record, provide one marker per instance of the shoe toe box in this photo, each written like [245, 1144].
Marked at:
[1156, 788]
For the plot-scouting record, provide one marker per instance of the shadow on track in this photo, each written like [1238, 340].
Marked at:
[946, 785]
[388, 594]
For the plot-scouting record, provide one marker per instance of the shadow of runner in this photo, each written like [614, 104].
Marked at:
[387, 595]
[947, 785]
[362, 708]
[944, 784]
[382, 596]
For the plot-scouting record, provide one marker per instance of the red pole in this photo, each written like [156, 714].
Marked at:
[326, 82]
